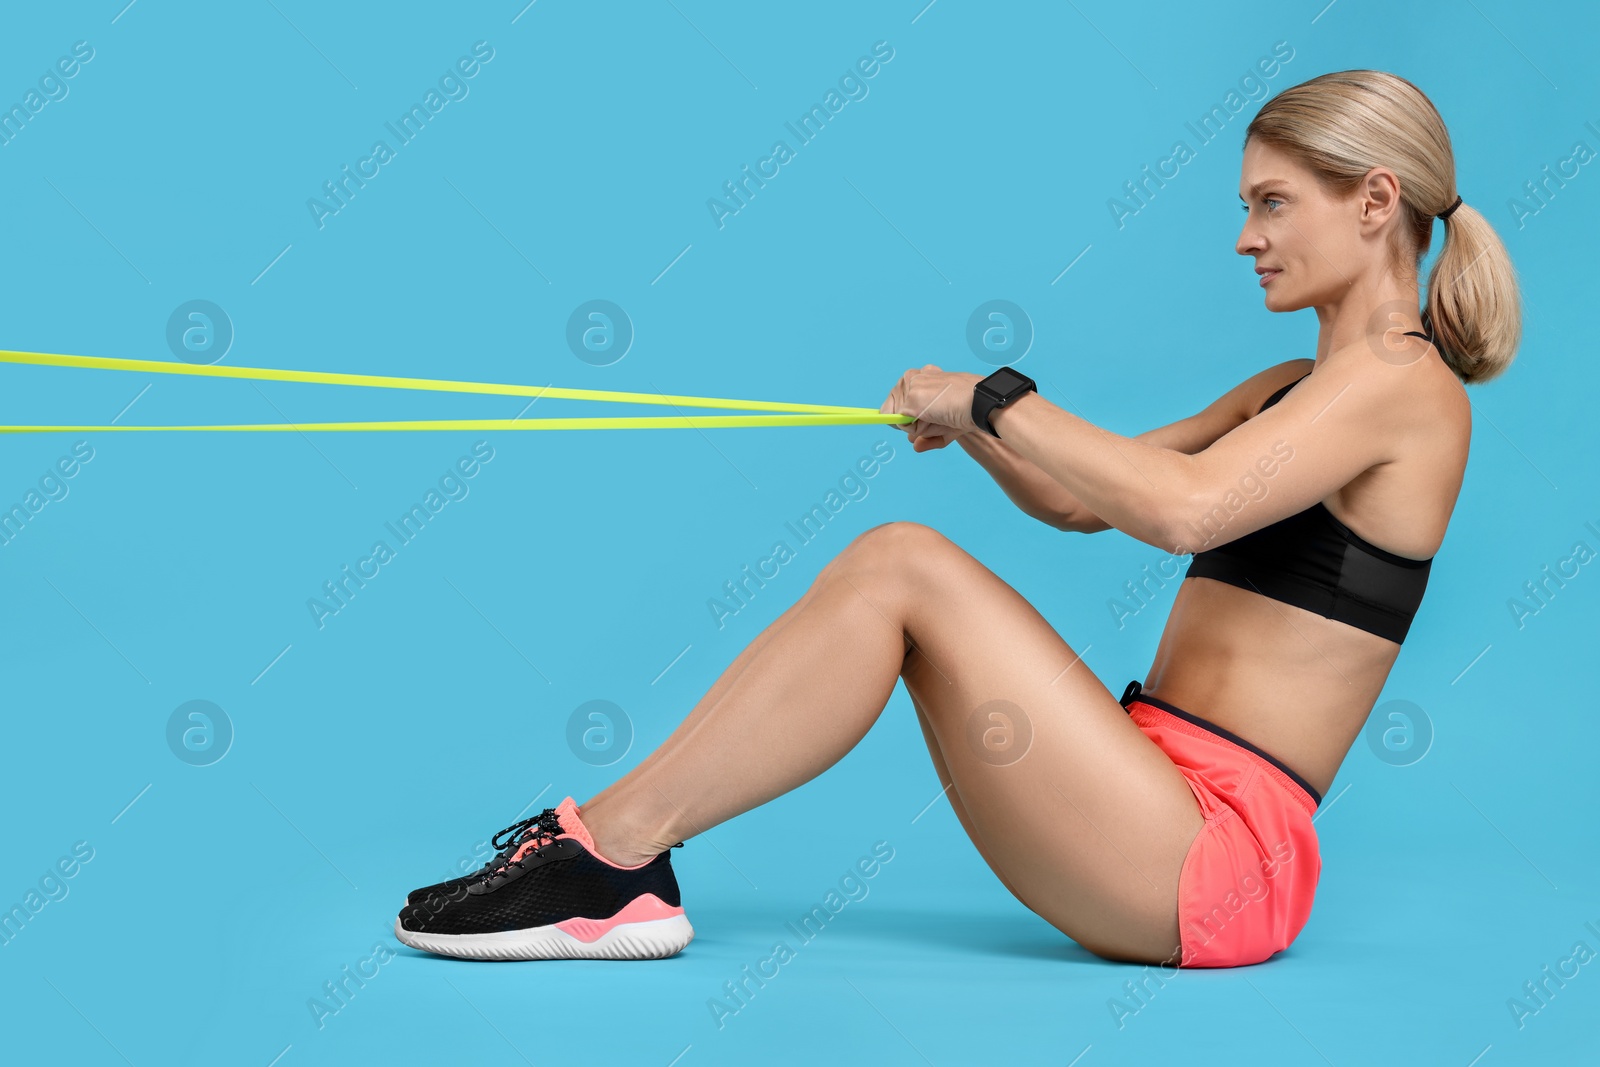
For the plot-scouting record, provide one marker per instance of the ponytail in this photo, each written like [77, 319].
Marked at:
[1473, 309]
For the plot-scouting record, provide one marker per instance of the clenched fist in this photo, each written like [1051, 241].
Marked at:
[940, 401]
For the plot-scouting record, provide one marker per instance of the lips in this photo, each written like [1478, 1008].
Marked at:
[1268, 275]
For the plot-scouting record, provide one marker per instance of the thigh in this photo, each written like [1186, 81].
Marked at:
[1082, 816]
[953, 798]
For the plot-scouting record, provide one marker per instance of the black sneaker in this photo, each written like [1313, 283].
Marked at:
[554, 898]
[518, 833]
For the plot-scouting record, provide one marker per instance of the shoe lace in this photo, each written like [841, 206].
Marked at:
[544, 826]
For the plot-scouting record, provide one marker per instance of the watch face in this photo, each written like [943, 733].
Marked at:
[1007, 379]
[1004, 381]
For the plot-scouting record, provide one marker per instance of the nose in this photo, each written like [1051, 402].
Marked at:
[1250, 241]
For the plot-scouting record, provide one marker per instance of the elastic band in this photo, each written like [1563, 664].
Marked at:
[1446, 212]
[809, 414]
[658, 422]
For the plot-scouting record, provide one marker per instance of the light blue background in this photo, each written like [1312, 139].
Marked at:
[377, 750]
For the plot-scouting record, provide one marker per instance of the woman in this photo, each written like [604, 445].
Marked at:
[1174, 824]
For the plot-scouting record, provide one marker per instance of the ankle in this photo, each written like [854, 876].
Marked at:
[614, 841]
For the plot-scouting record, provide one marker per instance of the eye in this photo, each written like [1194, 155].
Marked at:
[1268, 200]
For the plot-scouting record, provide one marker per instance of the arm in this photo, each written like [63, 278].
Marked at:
[1339, 422]
[1040, 496]
[1198, 432]
[1033, 491]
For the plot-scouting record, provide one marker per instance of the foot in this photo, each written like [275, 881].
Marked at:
[554, 897]
[515, 835]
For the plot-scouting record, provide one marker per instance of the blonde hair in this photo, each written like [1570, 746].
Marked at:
[1341, 125]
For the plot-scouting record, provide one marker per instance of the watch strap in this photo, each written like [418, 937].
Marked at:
[986, 400]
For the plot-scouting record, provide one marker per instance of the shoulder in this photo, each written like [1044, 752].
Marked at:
[1401, 391]
[1411, 372]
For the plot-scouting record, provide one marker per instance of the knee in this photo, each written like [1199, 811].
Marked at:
[896, 548]
[900, 540]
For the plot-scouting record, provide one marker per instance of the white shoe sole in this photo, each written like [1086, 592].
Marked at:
[649, 940]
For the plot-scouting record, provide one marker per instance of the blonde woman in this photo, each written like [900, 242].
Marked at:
[1172, 826]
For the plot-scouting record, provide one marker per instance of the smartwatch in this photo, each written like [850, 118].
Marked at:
[995, 392]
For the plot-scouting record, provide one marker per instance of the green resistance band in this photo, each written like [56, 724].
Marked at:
[795, 414]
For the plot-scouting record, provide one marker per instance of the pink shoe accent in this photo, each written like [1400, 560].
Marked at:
[640, 909]
[567, 812]
[572, 826]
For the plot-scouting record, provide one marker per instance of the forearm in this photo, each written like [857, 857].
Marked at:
[1033, 491]
[1124, 482]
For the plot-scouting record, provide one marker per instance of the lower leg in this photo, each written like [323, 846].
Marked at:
[794, 702]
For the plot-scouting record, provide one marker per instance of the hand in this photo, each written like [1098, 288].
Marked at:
[933, 436]
[941, 402]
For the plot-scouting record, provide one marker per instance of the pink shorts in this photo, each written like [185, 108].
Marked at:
[1249, 877]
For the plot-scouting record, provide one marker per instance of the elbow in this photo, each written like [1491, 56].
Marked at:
[1171, 518]
[1153, 530]
[1055, 522]
[1080, 522]
[1171, 527]
[1065, 521]
[1170, 537]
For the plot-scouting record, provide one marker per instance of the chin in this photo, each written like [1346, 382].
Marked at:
[1279, 300]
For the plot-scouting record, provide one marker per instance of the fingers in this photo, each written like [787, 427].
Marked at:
[897, 394]
[927, 435]
[898, 398]
[891, 402]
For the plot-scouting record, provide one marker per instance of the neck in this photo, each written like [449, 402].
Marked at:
[1364, 312]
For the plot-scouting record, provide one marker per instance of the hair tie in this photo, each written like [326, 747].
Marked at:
[1446, 212]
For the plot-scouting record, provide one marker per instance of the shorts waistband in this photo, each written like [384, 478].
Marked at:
[1135, 692]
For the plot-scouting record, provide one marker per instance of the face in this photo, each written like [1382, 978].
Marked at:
[1309, 240]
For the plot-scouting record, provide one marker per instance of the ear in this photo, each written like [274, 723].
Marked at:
[1379, 198]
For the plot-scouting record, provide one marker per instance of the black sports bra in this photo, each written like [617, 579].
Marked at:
[1314, 561]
